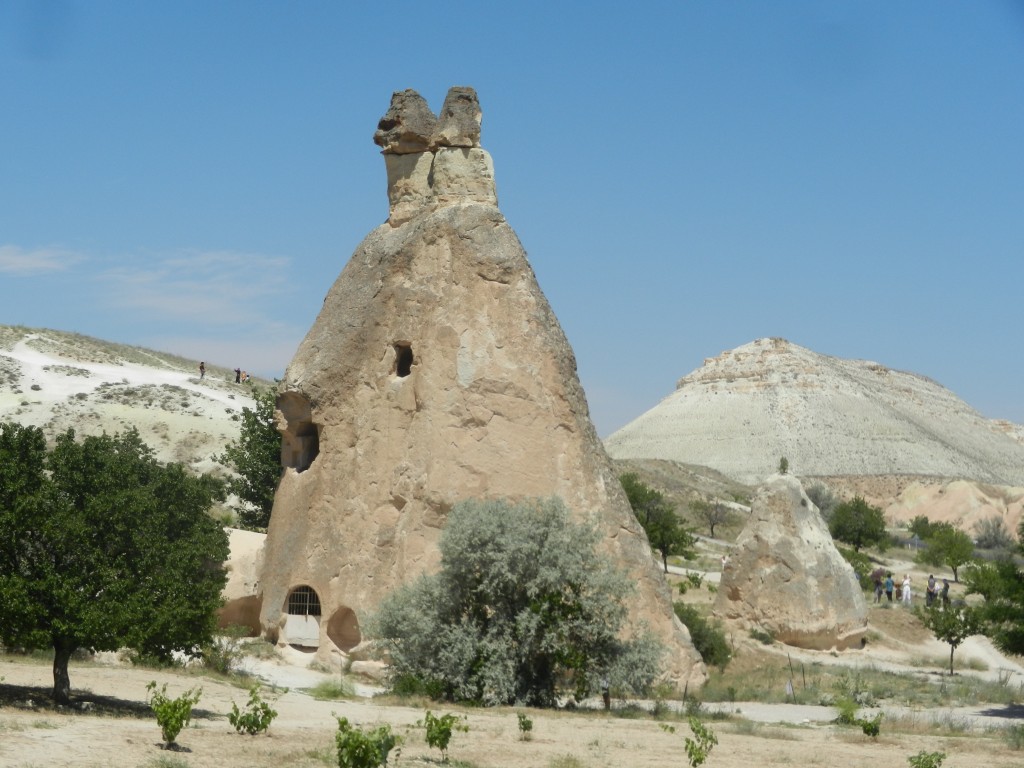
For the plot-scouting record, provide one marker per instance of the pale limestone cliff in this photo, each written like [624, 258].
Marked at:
[787, 578]
[436, 371]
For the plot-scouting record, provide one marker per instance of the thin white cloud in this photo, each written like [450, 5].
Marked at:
[25, 262]
[216, 288]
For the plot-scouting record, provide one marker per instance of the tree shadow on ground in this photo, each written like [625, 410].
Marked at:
[1009, 711]
[35, 698]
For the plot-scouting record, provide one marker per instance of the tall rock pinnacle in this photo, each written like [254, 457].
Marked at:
[435, 372]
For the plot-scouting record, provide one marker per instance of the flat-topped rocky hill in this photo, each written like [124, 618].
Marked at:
[742, 411]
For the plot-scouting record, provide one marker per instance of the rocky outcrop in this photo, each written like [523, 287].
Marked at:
[745, 409]
[242, 590]
[786, 576]
[436, 371]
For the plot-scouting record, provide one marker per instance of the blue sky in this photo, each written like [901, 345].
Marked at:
[686, 177]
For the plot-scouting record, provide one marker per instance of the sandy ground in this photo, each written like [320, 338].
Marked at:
[118, 730]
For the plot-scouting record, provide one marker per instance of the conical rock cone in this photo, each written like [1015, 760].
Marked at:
[435, 372]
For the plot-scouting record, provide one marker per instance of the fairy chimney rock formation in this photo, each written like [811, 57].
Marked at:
[434, 161]
[786, 576]
[435, 372]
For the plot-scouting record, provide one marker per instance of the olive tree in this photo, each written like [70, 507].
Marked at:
[102, 547]
[522, 604]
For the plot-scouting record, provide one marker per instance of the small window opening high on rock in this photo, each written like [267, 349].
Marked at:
[300, 439]
[403, 359]
[303, 601]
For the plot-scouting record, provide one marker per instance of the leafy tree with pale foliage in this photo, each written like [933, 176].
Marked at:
[665, 531]
[102, 547]
[523, 604]
[711, 513]
[256, 457]
[950, 547]
[951, 625]
[858, 524]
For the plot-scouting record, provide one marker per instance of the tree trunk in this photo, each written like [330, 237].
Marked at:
[951, 649]
[62, 650]
[664, 560]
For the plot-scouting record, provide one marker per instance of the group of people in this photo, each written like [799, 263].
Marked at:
[241, 377]
[904, 592]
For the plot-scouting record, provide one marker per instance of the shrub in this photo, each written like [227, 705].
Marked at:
[871, 727]
[926, 759]
[992, 533]
[224, 653]
[256, 717]
[172, 714]
[761, 636]
[847, 710]
[861, 566]
[708, 639]
[439, 730]
[522, 602]
[699, 747]
[525, 726]
[363, 749]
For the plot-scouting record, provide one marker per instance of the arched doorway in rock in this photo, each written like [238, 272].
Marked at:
[343, 629]
[302, 625]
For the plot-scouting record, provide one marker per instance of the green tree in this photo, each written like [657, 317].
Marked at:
[103, 548]
[948, 546]
[783, 466]
[655, 514]
[858, 524]
[1001, 584]
[522, 603]
[711, 513]
[256, 457]
[952, 626]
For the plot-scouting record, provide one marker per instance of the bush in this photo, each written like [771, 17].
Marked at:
[363, 749]
[761, 636]
[224, 653]
[522, 602]
[861, 566]
[708, 639]
[439, 730]
[256, 717]
[525, 726]
[172, 714]
[699, 747]
[871, 727]
[926, 759]
[992, 533]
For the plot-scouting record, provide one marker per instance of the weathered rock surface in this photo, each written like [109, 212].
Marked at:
[436, 371]
[241, 593]
[786, 576]
[745, 409]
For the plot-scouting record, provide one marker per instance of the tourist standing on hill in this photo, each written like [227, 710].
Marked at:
[889, 584]
[906, 590]
[202, 370]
